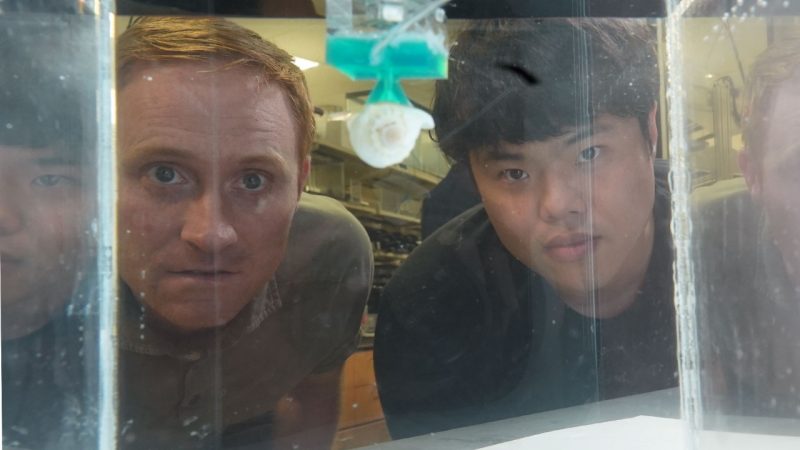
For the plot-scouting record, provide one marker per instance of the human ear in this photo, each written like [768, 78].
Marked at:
[302, 175]
[751, 173]
[652, 128]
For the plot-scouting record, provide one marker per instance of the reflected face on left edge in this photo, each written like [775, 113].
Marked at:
[209, 181]
[775, 180]
[43, 215]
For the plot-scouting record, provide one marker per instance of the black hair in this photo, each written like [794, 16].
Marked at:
[526, 80]
[44, 100]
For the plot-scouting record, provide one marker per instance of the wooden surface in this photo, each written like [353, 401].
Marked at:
[360, 416]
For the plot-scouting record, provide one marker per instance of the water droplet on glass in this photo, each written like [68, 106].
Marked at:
[189, 420]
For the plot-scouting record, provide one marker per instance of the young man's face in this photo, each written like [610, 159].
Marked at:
[43, 216]
[210, 177]
[577, 209]
[775, 183]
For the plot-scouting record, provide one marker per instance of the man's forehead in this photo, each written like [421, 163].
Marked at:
[200, 70]
[569, 136]
[197, 87]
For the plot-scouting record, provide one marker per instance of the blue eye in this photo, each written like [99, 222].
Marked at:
[253, 181]
[514, 174]
[588, 154]
[165, 175]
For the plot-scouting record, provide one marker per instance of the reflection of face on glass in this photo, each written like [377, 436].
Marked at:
[41, 223]
[209, 180]
[43, 204]
[540, 196]
[773, 172]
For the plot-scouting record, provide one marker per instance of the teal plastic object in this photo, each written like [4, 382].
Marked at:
[388, 90]
[407, 57]
[387, 40]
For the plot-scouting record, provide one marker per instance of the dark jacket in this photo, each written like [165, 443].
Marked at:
[462, 336]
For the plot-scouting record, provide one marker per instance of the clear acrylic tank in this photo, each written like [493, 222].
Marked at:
[56, 225]
[597, 243]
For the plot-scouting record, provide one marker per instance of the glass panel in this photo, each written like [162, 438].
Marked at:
[735, 66]
[553, 288]
[603, 208]
[55, 227]
[241, 293]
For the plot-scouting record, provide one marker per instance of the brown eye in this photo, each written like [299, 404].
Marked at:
[588, 154]
[514, 174]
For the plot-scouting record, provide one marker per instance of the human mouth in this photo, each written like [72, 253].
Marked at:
[202, 275]
[570, 247]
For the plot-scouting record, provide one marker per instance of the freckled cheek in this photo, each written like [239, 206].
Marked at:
[262, 206]
[780, 202]
[785, 223]
[144, 225]
[268, 229]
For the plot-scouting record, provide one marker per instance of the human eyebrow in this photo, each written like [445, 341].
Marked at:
[585, 132]
[135, 156]
[53, 161]
[270, 159]
[500, 156]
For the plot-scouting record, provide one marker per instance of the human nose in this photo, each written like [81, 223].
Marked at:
[206, 226]
[563, 199]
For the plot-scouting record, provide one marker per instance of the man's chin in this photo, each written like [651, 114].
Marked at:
[188, 324]
[193, 316]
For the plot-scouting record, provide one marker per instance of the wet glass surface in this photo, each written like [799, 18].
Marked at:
[603, 223]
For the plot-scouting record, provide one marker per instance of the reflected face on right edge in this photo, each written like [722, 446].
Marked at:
[777, 183]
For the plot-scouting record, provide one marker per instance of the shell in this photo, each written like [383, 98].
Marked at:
[385, 133]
